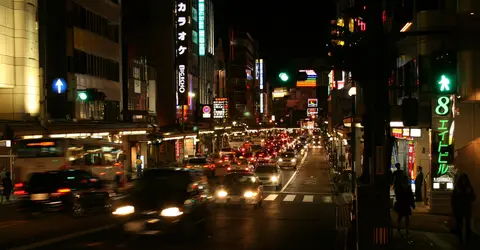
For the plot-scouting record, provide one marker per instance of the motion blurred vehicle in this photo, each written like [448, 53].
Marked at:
[165, 200]
[201, 163]
[75, 192]
[226, 151]
[287, 160]
[316, 143]
[270, 175]
[256, 148]
[240, 164]
[240, 188]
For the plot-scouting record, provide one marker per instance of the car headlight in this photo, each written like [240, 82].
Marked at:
[125, 210]
[222, 193]
[274, 178]
[171, 212]
[249, 194]
[280, 160]
[293, 160]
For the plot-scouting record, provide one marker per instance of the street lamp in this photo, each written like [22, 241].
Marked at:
[353, 93]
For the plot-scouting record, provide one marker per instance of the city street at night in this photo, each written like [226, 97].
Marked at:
[302, 216]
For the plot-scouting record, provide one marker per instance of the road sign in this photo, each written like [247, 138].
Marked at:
[59, 86]
[312, 103]
[206, 111]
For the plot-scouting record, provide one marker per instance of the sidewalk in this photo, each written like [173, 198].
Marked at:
[428, 231]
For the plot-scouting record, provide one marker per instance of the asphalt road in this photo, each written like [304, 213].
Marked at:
[302, 216]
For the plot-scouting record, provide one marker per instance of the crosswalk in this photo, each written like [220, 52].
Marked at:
[299, 198]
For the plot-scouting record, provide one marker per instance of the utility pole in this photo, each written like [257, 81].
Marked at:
[373, 203]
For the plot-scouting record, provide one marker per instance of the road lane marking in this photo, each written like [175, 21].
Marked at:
[289, 197]
[308, 198]
[271, 197]
[301, 193]
[62, 238]
[296, 172]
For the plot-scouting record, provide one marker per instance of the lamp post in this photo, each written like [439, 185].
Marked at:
[353, 93]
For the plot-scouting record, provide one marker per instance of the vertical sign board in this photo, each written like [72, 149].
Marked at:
[201, 27]
[182, 12]
[260, 72]
[312, 103]
[442, 143]
[220, 108]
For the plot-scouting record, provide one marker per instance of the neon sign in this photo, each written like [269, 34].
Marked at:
[442, 109]
[201, 27]
[181, 15]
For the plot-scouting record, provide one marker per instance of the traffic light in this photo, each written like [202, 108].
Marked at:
[82, 95]
[283, 76]
[90, 95]
[444, 65]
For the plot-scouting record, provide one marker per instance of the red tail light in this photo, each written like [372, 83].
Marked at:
[225, 158]
[20, 192]
[18, 185]
[220, 161]
[229, 168]
[247, 169]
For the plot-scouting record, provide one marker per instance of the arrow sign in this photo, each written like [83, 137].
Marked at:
[59, 86]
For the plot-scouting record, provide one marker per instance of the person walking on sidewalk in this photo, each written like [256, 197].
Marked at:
[419, 184]
[462, 199]
[398, 178]
[7, 186]
[405, 203]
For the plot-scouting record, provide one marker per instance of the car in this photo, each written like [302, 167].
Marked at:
[75, 192]
[287, 160]
[240, 188]
[240, 164]
[165, 200]
[270, 175]
[201, 163]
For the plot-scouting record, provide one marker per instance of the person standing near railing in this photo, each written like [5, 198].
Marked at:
[7, 186]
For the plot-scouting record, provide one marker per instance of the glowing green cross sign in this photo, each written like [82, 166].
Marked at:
[444, 83]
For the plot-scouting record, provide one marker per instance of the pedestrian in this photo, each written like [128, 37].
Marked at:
[462, 199]
[419, 184]
[398, 177]
[7, 186]
[404, 204]
[139, 163]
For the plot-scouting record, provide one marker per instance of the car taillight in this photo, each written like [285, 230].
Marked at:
[18, 185]
[188, 166]
[247, 169]
[220, 161]
[229, 168]
[63, 190]
[206, 166]
[20, 192]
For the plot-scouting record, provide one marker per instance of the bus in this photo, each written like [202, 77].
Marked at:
[100, 157]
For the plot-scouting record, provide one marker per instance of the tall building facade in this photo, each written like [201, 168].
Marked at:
[241, 75]
[261, 91]
[149, 44]
[220, 71]
[206, 51]
[80, 57]
[20, 91]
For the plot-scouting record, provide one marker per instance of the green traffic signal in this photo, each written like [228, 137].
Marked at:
[283, 76]
[82, 96]
[445, 84]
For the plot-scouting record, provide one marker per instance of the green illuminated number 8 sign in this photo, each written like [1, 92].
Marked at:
[442, 105]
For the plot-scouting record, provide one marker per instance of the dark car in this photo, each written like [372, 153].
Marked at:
[165, 200]
[71, 191]
[201, 163]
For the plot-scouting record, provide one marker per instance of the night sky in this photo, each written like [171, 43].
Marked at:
[285, 30]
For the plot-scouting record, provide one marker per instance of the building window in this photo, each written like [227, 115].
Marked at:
[88, 64]
[195, 37]
[87, 20]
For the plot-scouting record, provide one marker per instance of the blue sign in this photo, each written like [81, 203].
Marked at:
[59, 85]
